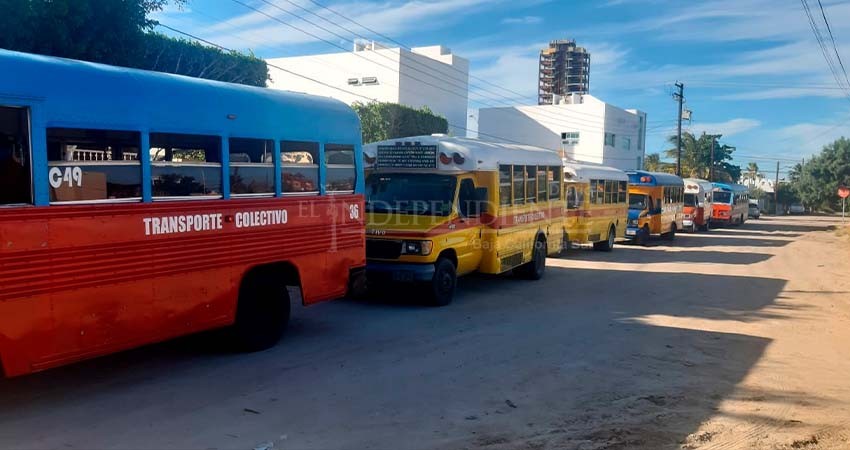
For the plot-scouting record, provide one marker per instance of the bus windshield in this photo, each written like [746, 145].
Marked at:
[722, 197]
[637, 201]
[410, 193]
[690, 199]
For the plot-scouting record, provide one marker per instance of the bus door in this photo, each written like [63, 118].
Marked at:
[471, 204]
[15, 157]
[575, 210]
[656, 209]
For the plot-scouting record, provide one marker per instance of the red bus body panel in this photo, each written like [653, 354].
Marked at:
[697, 214]
[83, 281]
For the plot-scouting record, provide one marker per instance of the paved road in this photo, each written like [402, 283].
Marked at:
[730, 339]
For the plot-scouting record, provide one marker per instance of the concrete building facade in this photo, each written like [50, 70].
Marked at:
[424, 76]
[582, 127]
[564, 70]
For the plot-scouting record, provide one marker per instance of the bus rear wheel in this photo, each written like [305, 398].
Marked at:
[608, 244]
[444, 282]
[262, 313]
[534, 269]
[671, 235]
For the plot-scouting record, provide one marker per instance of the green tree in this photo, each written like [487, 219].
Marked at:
[696, 158]
[382, 121]
[816, 182]
[118, 32]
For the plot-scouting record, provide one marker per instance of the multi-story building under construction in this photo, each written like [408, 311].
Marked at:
[564, 70]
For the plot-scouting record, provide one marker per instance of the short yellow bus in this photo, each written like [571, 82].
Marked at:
[438, 207]
[656, 205]
[597, 204]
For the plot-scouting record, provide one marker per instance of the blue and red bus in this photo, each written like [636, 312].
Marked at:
[730, 204]
[138, 206]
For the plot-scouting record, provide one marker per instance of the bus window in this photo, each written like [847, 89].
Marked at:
[542, 184]
[185, 165]
[299, 166]
[504, 185]
[87, 165]
[572, 200]
[251, 166]
[341, 173]
[519, 185]
[555, 175]
[466, 199]
[15, 169]
[623, 192]
[530, 184]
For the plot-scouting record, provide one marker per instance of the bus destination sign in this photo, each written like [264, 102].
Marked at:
[407, 156]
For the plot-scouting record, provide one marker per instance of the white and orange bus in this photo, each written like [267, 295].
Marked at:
[731, 203]
[697, 212]
[138, 206]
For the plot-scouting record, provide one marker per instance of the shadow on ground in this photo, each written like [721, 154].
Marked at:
[568, 360]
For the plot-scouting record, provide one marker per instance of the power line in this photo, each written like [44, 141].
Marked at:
[578, 121]
[363, 96]
[832, 38]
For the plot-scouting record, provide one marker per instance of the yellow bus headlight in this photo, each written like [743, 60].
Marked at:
[422, 248]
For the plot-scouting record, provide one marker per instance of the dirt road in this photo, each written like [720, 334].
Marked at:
[737, 338]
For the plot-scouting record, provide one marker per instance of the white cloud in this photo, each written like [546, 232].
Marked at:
[729, 127]
[527, 20]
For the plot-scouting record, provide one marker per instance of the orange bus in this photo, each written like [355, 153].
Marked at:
[138, 206]
[730, 204]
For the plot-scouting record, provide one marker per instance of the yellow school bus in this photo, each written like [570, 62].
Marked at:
[438, 207]
[597, 204]
[656, 205]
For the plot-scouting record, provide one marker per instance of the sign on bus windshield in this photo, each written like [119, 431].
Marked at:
[407, 156]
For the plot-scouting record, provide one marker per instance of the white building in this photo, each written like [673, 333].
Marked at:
[583, 127]
[424, 76]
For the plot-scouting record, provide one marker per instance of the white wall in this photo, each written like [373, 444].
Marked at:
[542, 126]
[428, 76]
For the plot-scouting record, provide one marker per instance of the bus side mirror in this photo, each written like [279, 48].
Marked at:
[481, 199]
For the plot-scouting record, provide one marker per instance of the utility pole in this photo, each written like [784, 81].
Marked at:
[680, 96]
[776, 189]
[711, 167]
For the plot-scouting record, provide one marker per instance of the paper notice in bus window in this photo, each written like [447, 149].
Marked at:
[407, 157]
[91, 187]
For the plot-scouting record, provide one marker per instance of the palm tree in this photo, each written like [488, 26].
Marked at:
[652, 162]
[751, 176]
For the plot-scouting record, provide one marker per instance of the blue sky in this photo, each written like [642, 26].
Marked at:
[752, 69]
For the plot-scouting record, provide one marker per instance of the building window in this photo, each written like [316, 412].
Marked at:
[15, 162]
[341, 172]
[627, 143]
[251, 166]
[504, 185]
[86, 165]
[610, 139]
[185, 165]
[299, 171]
[570, 138]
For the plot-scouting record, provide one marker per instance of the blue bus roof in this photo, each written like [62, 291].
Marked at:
[638, 177]
[77, 94]
[730, 187]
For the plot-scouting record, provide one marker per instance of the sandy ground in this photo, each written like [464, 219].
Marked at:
[734, 339]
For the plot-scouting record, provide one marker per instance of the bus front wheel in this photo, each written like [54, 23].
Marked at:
[534, 269]
[608, 244]
[643, 236]
[262, 313]
[444, 282]
[671, 235]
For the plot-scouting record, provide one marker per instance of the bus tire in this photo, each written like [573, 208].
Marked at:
[534, 269]
[262, 313]
[608, 244]
[704, 227]
[671, 235]
[642, 237]
[444, 282]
